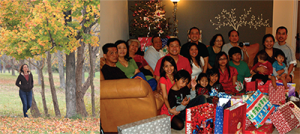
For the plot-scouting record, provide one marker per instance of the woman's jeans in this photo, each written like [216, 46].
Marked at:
[26, 98]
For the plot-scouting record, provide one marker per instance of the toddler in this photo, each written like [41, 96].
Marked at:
[202, 84]
[280, 70]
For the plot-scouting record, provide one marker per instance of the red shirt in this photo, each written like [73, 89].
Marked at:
[140, 61]
[267, 65]
[26, 76]
[182, 63]
[227, 82]
[168, 83]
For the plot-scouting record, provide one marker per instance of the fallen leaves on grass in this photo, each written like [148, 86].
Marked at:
[53, 125]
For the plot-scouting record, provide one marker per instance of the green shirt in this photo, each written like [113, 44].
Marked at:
[243, 70]
[129, 71]
[212, 56]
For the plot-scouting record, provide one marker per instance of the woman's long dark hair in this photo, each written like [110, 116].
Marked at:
[127, 58]
[217, 65]
[172, 61]
[21, 68]
[197, 57]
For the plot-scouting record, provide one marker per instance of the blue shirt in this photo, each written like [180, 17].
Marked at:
[277, 67]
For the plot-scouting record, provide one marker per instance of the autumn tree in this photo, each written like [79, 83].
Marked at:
[35, 27]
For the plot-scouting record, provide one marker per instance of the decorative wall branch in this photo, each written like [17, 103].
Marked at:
[226, 18]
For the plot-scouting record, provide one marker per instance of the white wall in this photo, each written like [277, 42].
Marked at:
[113, 21]
[285, 14]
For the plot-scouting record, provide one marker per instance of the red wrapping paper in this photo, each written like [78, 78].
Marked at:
[200, 119]
[267, 128]
[284, 119]
[277, 96]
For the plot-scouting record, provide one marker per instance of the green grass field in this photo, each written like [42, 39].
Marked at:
[11, 105]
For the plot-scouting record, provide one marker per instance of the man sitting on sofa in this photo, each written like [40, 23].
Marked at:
[109, 69]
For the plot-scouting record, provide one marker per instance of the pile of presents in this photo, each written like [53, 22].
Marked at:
[260, 110]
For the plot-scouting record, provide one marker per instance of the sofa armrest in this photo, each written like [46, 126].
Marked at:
[135, 88]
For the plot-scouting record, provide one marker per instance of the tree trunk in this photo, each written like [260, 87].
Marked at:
[40, 75]
[35, 112]
[40, 71]
[0, 66]
[52, 87]
[70, 85]
[61, 70]
[80, 106]
[12, 67]
[39, 67]
[92, 72]
[4, 63]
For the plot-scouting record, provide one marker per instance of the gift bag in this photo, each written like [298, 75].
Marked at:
[250, 85]
[199, 119]
[284, 119]
[145, 42]
[259, 109]
[235, 119]
[219, 115]
[291, 91]
[276, 96]
[267, 128]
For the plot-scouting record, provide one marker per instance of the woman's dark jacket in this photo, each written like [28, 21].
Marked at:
[25, 85]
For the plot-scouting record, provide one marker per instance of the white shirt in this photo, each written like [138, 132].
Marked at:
[197, 70]
[152, 56]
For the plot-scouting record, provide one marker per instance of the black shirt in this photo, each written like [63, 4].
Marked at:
[110, 73]
[202, 50]
[270, 59]
[176, 97]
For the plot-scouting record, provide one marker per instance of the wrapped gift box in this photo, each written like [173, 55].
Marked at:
[264, 88]
[267, 128]
[291, 91]
[259, 109]
[199, 119]
[156, 125]
[276, 96]
[284, 119]
[145, 42]
[295, 109]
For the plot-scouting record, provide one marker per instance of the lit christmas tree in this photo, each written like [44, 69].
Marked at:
[149, 19]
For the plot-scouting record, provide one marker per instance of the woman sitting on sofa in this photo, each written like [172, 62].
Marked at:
[128, 65]
[134, 49]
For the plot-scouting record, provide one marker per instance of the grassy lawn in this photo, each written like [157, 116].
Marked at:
[11, 105]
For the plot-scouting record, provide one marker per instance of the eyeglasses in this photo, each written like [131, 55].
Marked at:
[219, 41]
[223, 59]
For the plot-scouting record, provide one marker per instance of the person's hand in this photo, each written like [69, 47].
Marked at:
[102, 62]
[173, 111]
[185, 101]
[193, 82]
[244, 48]
[262, 70]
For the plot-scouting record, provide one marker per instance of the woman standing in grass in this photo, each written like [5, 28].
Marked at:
[25, 92]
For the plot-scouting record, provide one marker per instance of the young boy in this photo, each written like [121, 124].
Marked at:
[278, 66]
[262, 61]
[236, 62]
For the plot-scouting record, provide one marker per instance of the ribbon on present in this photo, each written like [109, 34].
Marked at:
[214, 92]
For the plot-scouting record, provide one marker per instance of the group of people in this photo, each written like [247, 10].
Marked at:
[187, 73]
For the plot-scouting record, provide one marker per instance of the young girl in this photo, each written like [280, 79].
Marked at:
[280, 70]
[228, 74]
[180, 97]
[202, 84]
[213, 78]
